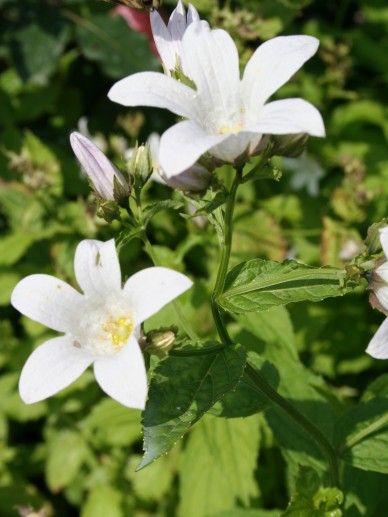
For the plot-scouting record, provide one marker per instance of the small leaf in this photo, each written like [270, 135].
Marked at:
[182, 389]
[103, 501]
[259, 284]
[311, 499]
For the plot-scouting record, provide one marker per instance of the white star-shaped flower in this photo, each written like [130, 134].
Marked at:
[378, 346]
[100, 326]
[168, 38]
[224, 115]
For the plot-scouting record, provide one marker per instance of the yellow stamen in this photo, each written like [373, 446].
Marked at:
[224, 130]
[119, 330]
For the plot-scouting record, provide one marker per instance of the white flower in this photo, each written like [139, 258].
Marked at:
[307, 173]
[100, 171]
[378, 346]
[194, 179]
[225, 115]
[168, 39]
[100, 326]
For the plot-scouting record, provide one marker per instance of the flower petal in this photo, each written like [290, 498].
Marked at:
[210, 59]
[49, 301]
[192, 14]
[378, 346]
[273, 64]
[151, 289]
[382, 295]
[290, 116]
[155, 90]
[384, 239]
[97, 267]
[123, 376]
[51, 367]
[236, 145]
[163, 40]
[382, 271]
[181, 146]
[177, 22]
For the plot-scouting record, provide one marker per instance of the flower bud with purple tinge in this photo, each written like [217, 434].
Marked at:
[105, 178]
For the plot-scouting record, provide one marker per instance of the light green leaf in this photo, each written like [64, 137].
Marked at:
[66, 454]
[218, 464]
[110, 423]
[258, 285]
[13, 247]
[311, 499]
[182, 389]
[103, 501]
[153, 482]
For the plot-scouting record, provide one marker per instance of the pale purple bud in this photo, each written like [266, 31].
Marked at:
[106, 179]
[195, 179]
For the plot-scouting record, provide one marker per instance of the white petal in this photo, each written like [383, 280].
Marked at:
[378, 346]
[49, 301]
[155, 90]
[177, 22]
[163, 41]
[151, 289]
[51, 367]
[183, 144]
[382, 296]
[192, 14]
[384, 240]
[97, 267]
[210, 58]
[382, 271]
[236, 145]
[290, 116]
[123, 376]
[273, 64]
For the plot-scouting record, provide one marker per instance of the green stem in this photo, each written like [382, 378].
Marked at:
[354, 439]
[260, 382]
[184, 323]
[324, 445]
[226, 246]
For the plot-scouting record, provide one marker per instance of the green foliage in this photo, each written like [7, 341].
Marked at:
[77, 453]
[259, 284]
[188, 387]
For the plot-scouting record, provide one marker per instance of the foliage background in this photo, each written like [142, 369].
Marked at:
[76, 453]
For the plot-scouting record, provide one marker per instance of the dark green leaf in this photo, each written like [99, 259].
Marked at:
[182, 389]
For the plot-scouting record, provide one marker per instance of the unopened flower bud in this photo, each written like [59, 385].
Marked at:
[140, 165]
[108, 210]
[291, 146]
[106, 179]
[160, 341]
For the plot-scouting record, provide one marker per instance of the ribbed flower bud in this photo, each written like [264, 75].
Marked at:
[160, 341]
[291, 146]
[106, 179]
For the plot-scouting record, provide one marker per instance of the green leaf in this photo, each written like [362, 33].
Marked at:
[110, 423]
[66, 454]
[153, 482]
[362, 435]
[218, 465]
[119, 50]
[182, 389]
[311, 499]
[259, 284]
[244, 400]
[103, 501]
[13, 247]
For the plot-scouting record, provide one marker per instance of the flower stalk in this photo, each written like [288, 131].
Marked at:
[259, 381]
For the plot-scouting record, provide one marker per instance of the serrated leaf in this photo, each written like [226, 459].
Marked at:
[311, 499]
[244, 400]
[218, 465]
[182, 389]
[258, 285]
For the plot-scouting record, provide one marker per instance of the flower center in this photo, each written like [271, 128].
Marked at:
[226, 129]
[118, 330]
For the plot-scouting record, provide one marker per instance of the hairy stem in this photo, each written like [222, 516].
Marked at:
[328, 451]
